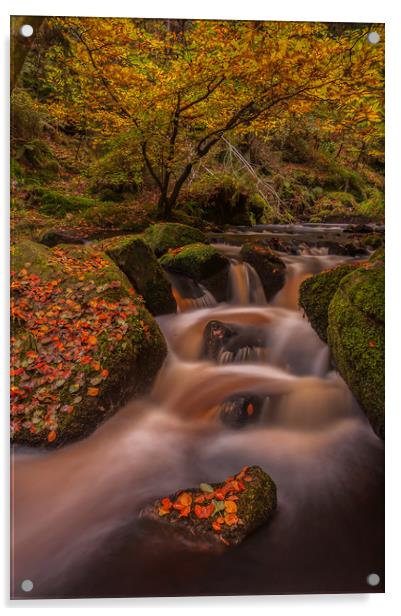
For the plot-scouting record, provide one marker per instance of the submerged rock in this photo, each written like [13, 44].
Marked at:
[137, 260]
[316, 293]
[269, 267]
[229, 342]
[239, 410]
[356, 337]
[82, 342]
[202, 263]
[164, 236]
[219, 513]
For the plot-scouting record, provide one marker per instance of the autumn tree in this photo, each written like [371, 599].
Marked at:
[178, 90]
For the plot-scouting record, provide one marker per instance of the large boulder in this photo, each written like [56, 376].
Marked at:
[356, 337]
[202, 263]
[137, 260]
[82, 342]
[269, 267]
[164, 236]
[316, 293]
[218, 513]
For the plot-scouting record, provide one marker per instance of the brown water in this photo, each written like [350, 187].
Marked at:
[76, 530]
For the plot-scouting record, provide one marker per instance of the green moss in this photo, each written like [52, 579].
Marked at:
[269, 267]
[373, 205]
[137, 260]
[316, 293]
[198, 261]
[116, 216]
[164, 236]
[373, 241]
[58, 204]
[356, 338]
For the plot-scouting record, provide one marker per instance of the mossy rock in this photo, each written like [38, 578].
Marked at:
[83, 342]
[203, 263]
[137, 260]
[269, 267]
[58, 204]
[316, 293]
[169, 235]
[356, 338]
[207, 521]
[373, 241]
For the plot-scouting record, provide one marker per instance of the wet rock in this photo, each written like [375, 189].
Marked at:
[138, 262]
[269, 267]
[229, 342]
[203, 263]
[356, 337]
[316, 293]
[240, 410]
[358, 229]
[83, 342]
[217, 514]
[164, 236]
[54, 237]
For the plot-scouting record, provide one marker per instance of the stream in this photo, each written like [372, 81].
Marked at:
[76, 530]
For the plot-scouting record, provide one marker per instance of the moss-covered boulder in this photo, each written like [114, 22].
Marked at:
[269, 267]
[82, 342]
[137, 260]
[316, 293]
[356, 338]
[218, 513]
[202, 263]
[169, 235]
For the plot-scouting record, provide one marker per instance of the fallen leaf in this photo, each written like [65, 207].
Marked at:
[93, 391]
[51, 436]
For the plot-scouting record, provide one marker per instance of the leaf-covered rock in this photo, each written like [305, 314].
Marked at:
[269, 267]
[356, 337]
[82, 342]
[218, 513]
[137, 260]
[169, 235]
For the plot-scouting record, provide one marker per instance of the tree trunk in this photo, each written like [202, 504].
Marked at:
[20, 45]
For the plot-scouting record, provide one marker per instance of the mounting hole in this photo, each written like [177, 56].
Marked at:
[26, 30]
[27, 585]
[373, 37]
[373, 579]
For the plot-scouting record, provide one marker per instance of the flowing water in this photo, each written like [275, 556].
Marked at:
[76, 530]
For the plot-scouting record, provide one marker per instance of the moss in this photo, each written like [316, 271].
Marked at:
[132, 358]
[58, 204]
[316, 293]
[269, 267]
[164, 236]
[117, 216]
[373, 241]
[356, 338]
[255, 506]
[137, 260]
[198, 261]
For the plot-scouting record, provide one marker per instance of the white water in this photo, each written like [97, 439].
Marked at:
[68, 503]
